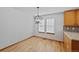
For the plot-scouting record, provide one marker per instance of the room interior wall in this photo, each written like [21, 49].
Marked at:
[59, 22]
[15, 25]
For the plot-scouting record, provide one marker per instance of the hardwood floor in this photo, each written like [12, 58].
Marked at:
[36, 44]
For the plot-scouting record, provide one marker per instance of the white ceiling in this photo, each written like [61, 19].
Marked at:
[45, 10]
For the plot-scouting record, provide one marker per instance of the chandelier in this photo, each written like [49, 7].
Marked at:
[38, 17]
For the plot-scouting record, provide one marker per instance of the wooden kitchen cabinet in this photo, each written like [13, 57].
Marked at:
[67, 44]
[70, 45]
[69, 18]
[77, 17]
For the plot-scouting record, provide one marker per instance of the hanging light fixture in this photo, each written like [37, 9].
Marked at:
[38, 17]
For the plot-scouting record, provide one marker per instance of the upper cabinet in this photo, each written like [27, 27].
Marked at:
[77, 17]
[69, 18]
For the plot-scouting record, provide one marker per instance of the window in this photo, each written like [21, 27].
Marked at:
[50, 25]
[47, 25]
[42, 26]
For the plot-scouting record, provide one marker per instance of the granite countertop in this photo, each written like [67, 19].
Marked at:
[72, 35]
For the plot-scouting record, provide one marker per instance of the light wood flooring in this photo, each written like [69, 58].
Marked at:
[36, 44]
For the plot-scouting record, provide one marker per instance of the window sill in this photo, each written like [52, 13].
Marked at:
[47, 33]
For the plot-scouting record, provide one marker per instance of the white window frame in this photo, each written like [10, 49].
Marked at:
[50, 25]
[45, 26]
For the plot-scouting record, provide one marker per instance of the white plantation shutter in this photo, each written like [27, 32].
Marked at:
[42, 26]
[50, 25]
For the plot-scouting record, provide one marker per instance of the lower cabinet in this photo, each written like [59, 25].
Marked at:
[70, 45]
[67, 44]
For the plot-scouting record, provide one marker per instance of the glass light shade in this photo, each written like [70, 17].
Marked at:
[37, 19]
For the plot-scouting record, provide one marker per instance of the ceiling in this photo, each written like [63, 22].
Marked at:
[44, 10]
[49, 10]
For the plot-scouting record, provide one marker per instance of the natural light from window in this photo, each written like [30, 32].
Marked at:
[47, 25]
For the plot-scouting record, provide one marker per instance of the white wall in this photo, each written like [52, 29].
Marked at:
[59, 22]
[15, 25]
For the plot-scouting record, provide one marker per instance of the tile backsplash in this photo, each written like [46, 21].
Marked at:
[71, 28]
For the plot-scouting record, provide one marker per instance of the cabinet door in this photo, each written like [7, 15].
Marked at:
[67, 44]
[77, 17]
[75, 45]
[69, 18]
